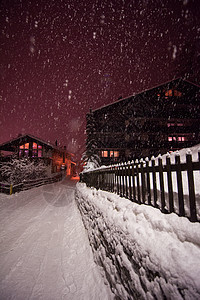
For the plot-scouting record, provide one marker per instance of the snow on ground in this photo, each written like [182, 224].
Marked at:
[44, 249]
[147, 254]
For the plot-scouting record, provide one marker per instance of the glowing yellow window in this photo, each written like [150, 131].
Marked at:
[26, 146]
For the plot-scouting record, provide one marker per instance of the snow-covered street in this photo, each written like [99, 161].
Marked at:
[44, 248]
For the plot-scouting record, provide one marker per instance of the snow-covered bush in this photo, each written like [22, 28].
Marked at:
[16, 170]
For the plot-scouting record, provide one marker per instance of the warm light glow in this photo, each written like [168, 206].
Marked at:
[170, 124]
[34, 153]
[26, 152]
[168, 93]
[104, 153]
[116, 153]
[34, 146]
[173, 124]
[26, 146]
[177, 93]
[177, 138]
[21, 147]
[181, 138]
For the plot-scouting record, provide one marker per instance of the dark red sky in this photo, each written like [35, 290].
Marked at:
[59, 58]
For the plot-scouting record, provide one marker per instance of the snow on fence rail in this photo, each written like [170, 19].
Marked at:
[171, 187]
[28, 184]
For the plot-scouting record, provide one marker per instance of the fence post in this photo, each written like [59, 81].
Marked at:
[114, 179]
[154, 182]
[133, 176]
[130, 187]
[117, 179]
[180, 185]
[11, 189]
[148, 181]
[169, 180]
[143, 181]
[123, 189]
[193, 212]
[120, 180]
[160, 165]
[138, 181]
[126, 179]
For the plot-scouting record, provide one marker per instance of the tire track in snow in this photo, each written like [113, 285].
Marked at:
[4, 235]
[28, 233]
[51, 258]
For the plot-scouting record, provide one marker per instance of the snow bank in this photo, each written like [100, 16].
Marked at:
[144, 253]
[194, 151]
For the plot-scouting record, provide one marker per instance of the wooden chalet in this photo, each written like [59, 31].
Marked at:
[29, 146]
[164, 118]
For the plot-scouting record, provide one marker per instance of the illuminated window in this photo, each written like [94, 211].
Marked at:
[168, 93]
[37, 150]
[181, 138]
[34, 146]
[34, 153]
[177, 138]
[171, 93]
[26, 152]
[116, 153]
[104, 153]
[170, 124]
[111, 153]
[174, 124]
[171, 138]
[177, 93]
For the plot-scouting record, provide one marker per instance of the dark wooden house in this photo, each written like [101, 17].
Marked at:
[27, 145]
[161, 119]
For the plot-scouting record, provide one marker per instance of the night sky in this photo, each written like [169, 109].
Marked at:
[59, 58]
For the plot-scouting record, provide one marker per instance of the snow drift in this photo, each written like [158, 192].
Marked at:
[145, 254]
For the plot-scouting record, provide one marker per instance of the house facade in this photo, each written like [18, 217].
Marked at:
[158, 120]
[34, 148]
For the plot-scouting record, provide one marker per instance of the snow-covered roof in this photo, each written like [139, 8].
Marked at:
[144, 91]
[21, 137]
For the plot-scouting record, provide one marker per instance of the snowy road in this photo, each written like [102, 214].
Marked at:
[44, 249]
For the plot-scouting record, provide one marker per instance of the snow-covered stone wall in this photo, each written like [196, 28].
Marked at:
[144, 253]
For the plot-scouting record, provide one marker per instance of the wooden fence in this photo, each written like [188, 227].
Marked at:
[167, 186]
[28, 184]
